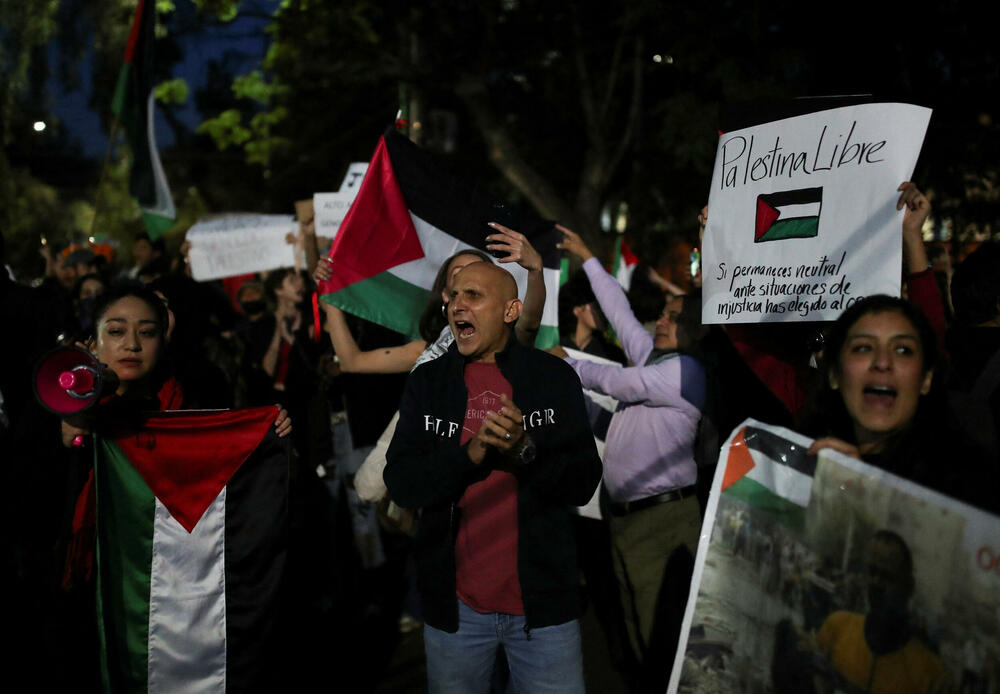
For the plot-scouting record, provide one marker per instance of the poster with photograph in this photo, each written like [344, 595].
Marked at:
[824, 574]
[802, 213]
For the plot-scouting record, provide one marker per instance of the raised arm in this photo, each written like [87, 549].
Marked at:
[665, 384]
[636, 342]
[922, 288]
[519, 250]
[389, 360]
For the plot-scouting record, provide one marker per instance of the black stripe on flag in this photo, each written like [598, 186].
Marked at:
[780, 450]
[458, 205]
[256, 542]
[800, 196]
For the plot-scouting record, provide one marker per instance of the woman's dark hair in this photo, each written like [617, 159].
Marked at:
[273, 282]
[836, 335]
[432, 320]
[121, 291]
[827, 415]
[576, 292]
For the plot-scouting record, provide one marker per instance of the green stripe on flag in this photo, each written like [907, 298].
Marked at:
[118, 101]
[156, 225]
[384, 299]
[548, 336]
[805, 227]
[124, 559]
[767, 502]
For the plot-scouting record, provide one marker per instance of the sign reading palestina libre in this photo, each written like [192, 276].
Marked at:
[802, 213]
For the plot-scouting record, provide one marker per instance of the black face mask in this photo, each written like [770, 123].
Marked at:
[253, 307]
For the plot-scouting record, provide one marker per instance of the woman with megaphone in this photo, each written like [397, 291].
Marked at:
[129, 340]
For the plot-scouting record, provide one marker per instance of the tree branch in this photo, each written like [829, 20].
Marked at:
[507, 159]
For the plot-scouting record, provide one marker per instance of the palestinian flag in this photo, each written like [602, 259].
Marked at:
[191, 524]
[790, 214]
[624, 263]
[410, 214]
[770, 473]
[133, 106]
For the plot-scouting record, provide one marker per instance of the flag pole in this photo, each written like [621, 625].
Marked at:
[104, 169]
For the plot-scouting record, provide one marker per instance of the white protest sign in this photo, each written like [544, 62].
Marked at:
[355, 174]
[238, 244]
[802, 213]
[330, 210]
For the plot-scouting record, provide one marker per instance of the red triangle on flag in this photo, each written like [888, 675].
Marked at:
[186, 458]
[377, 233]
[739, 462]
[766, 214]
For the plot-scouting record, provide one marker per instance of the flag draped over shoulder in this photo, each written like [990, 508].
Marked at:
[133, 106]
[410, 214]
[191, 518]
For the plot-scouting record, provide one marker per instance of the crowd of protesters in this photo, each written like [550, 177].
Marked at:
[910, 385]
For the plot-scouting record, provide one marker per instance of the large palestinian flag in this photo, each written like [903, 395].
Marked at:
[790, 214]
[410, 214]
[133, 106]
[191, 518]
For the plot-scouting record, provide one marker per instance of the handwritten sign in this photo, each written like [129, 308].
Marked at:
[238, 244]
[355, 174]
[330, 210]
[802, 213]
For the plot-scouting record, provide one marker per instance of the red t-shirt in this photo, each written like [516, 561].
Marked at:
[486, 549]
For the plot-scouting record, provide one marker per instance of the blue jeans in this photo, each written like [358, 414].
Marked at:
[550, 660]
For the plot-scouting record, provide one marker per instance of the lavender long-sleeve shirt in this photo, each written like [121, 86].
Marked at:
[649, 448]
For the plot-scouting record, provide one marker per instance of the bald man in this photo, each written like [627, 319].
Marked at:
[493, 446]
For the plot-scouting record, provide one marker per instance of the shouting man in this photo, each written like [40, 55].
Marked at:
[493, 446]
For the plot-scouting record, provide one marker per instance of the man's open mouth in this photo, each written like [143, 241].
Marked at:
[464, 329]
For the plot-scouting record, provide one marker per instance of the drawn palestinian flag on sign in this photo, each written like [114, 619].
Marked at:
[790, 214]
[192, 522]
[410, 214]
[770, 473]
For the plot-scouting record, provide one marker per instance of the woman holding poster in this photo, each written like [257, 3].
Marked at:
[879, 403]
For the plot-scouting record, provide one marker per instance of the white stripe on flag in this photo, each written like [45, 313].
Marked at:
[438, 245]
[785, 481]
[164, 205]
[187, 603]
[806, 209]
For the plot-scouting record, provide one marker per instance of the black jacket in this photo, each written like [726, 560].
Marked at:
[427, 468]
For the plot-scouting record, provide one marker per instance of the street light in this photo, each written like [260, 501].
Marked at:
[39, 126]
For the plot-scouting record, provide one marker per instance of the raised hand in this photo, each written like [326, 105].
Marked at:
[517, 247]
[572, 243]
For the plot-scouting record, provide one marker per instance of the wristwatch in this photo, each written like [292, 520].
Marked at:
[525, 450]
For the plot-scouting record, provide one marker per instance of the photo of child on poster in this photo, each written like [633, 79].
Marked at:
[823, 574]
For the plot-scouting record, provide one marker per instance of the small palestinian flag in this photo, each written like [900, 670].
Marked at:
[132, 104]
[770, 473]
[790, 214]
[191, 524]
[410, 214]
[624, 263]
